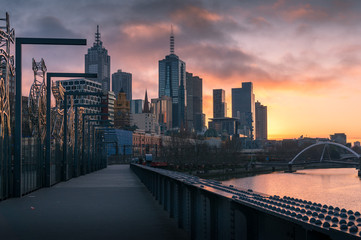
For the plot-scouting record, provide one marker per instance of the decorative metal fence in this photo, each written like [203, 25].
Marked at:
[39, 145]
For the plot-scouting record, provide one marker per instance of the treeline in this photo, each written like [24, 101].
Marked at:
[192, 154]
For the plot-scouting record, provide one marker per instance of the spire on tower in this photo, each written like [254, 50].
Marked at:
[97, 37]
[171, 40]
[146, 104]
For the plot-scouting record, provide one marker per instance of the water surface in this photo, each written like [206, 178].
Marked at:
[336, 187]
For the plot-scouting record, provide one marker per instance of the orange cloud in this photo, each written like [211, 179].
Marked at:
[304, 12]
[190, 13]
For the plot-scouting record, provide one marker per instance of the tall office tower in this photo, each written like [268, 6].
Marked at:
[219, 103]
[243, 108]
[97, 61]
[194, 102]
[122, 80]
[136, 106]
[261, 121]
[172, 77]
[162, 109]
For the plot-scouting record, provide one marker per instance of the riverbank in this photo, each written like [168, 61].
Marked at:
[230, 173]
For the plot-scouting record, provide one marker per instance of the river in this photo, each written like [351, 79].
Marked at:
[337, 187]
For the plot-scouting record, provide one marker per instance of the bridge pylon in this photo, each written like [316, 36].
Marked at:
[290, 169]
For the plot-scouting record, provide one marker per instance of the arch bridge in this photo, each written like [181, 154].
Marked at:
[341, 162]
[326, 144]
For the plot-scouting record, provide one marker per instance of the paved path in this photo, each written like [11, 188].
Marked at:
[109, 204]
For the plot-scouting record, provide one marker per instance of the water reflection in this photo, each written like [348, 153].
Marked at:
[337, 187]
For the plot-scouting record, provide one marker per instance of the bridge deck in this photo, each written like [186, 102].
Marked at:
[109, 204]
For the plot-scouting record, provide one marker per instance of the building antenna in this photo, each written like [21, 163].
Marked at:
[171, 40]
[97, 36]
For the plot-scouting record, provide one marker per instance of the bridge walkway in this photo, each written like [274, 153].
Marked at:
[108, 204]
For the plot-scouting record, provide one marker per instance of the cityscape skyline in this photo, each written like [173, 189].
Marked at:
[316, 90]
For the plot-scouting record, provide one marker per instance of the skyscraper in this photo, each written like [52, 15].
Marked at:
[172, 77]
[194, 102]
[219, 103]
[243, 108]
[261, 121]
[136, 106]
[122, 80]
[97, 61]
[162, 109]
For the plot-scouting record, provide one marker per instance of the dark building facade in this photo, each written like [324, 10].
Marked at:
[219, 103]
[261, 121]
[122, 80]
[243, 108]
[172, 77]
[225, 124]
[97, 61]
[194, 103]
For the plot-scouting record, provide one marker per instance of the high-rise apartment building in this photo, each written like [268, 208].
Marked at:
[219, 103]
[172, 77]
[261, 121]
[97, 61]
[243, 108]
[122, 80]
[83, 85]
[108, 100]
[194, 102]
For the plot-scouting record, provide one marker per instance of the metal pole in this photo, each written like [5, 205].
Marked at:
[18, 121]
[65, 164]
[83, 170]
[93, 146]
[48, 137]
[89, 162]
[76, 172]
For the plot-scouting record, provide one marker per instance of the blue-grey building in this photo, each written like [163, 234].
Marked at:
[97, 61]
[118, 141]
[172, 78]
[243, 108]
[195, 119]
[122, 80]
[136, 106]
[219, 103]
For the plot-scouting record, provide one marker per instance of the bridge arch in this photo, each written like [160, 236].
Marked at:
[325, 143]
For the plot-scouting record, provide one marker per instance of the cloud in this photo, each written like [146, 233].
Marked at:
[306, 12]
[259, 22]
[49, 26]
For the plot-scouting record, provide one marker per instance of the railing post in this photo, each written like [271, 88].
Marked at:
[76, 164]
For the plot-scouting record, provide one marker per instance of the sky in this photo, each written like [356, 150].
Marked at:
[303, 57]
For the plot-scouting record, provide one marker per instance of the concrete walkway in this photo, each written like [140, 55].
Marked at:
[109, 204]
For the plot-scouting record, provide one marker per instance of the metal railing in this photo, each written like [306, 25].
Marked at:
[206, 209]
